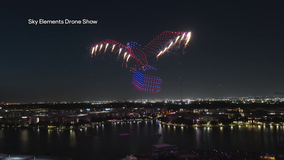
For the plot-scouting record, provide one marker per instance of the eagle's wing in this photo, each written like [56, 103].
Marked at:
[164, 41]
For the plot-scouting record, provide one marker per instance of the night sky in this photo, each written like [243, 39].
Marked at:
[236, 49]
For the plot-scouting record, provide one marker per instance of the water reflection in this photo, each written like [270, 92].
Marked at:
[105, 137]
[48, 136]
[38, 134]
[24, 140]
[160, 129]
[221, 136]
[72, 139]
[138, 128]
[182, 131]
[198, 137]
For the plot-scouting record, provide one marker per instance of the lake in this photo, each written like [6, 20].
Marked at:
[104, 142]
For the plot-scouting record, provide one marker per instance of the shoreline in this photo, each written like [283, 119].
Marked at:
[120, 122]
[199, 154]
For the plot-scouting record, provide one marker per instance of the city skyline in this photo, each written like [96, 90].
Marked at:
[235, 50]
[247, 100]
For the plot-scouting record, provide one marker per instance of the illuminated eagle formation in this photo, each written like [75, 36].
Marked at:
[158, 46]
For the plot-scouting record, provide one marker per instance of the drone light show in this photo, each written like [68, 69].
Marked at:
[132, 51]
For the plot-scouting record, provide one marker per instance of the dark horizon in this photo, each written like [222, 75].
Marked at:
[235, 50]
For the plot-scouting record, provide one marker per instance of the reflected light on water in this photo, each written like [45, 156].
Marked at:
[160, 129]
[98, 142]
[48, 133]
[72, 138]
[24, 135]
[25, 140]
[249, 127]
[198, 137]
